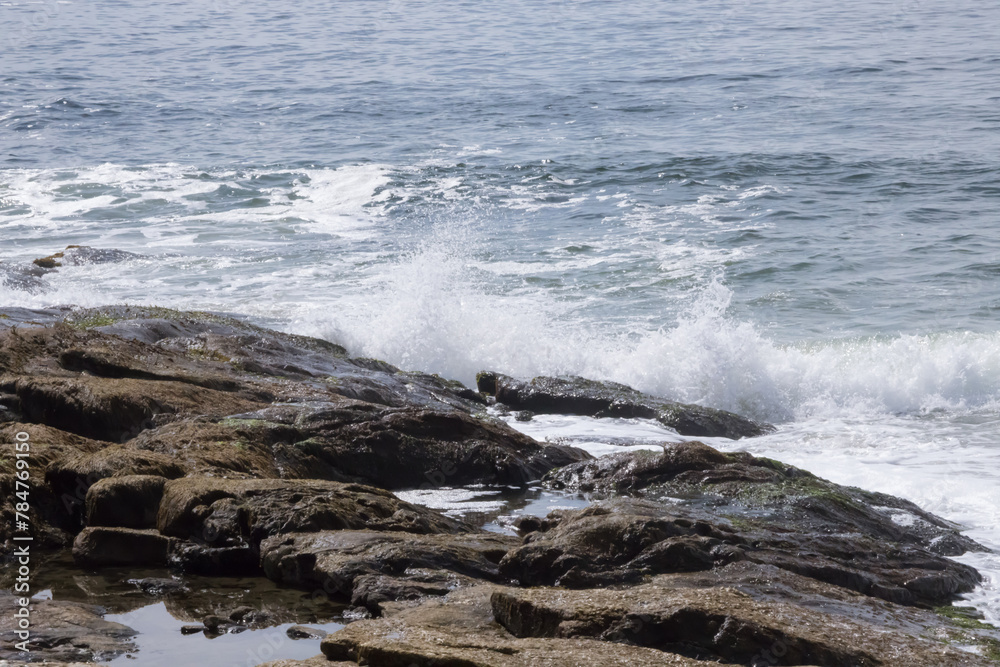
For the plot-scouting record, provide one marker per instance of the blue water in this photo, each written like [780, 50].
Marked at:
[787, 209]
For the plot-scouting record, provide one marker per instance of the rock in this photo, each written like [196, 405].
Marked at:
[462, 631]
[192, 629]
[723, 624]
[620, 542]
[23, 278]
[580, 396]
[524, 416]
[72, 476]
[159, 586]
[318, 661]
[371, 591]
[29, 317]
[730, 617]
[120, 546]
[173, 387]
[419, 448]
[116, 410]
[253, 349]
[336, 563]
[130, 501]
[216, 624]
[62, 632]
[754, 489]
[250, 510]
[302, 632]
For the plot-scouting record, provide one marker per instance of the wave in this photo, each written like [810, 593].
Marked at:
[431, 312]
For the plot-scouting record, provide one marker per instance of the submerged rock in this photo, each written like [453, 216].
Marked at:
[76, 255]
[580, 396]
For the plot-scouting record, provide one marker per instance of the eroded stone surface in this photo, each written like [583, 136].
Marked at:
[579, 396]
[62, 632]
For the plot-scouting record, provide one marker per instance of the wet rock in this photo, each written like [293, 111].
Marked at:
[24, 278]
[71, 477]
[462, 631]
[216, 624]
[159, 586]
[318, 661]
[580, 396]
[681, 619]
[120, 546]
[372, 591]
[753, 489]
[524, 416]
[76, 255]
[302, 632]
[336, 563]
[185, 396]
[116, 410]
[192, 629]
[621, 542]
[236, 511]
[29, 317]
[62, 632]
[720, 624]
[419, 448]
[130, 501]
[253, 349]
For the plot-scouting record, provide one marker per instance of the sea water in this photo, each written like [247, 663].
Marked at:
[789, 210]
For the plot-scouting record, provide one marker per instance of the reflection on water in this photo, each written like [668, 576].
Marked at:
[160, 642]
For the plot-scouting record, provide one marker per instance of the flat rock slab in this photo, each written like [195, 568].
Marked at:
[63, 632]
[461, 630]
[719, 623]
[575, 395]
[342, 564]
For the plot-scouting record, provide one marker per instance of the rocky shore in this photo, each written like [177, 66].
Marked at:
[205, 446]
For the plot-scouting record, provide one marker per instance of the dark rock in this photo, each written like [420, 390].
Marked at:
[373, 590]
[336, 563]
[302, 632]
[123, 375]
[216, 624]
[579, 396]
[120, 546]
[159, 587]
[62, 632]
[71, 476]
[524, 416]
[621, 542]
[751, 490]
[130, 501]
[235, 511]
[192, 629]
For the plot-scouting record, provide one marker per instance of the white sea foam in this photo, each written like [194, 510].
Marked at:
[915, 415]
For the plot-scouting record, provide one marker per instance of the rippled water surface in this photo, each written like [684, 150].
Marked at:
[791, 210]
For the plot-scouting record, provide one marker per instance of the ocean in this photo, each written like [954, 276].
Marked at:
[788, 210]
